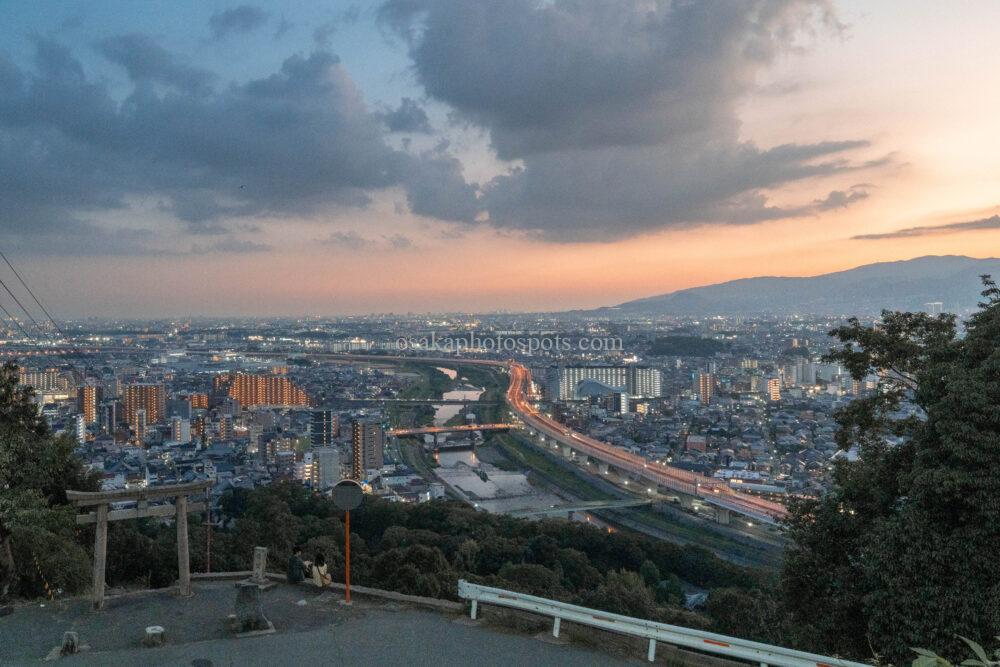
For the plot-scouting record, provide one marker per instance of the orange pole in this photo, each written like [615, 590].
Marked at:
[208, 537]
[347, 557]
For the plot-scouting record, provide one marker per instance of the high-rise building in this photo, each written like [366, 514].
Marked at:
[774, 388]
[325, 467]
[81, 429]
[367, 442]
[180, 430]
[934, 308]
[111, 386]
[151, 398]
[791, 375]
[706, 387]
[636, 381]
[199, 430]
[107, 416]
[199, 400]
[257, 390]
[808, 373]
[276, 445]
[304, 468]
[323, 428]
[230, 406]
[141, 424]
[88, 397]
[225, 428]
[48, 380]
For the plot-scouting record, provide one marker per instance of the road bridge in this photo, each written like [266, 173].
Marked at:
[415, 401]
[458, 428]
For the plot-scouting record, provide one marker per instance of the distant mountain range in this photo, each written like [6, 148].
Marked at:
[952, 280]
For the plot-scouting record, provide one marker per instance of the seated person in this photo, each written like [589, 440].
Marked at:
[320, 576]
[296, 567]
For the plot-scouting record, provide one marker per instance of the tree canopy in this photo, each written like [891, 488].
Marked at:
[902, 551]
[37, 536]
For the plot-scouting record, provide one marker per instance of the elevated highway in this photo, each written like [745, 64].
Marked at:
[711, 491]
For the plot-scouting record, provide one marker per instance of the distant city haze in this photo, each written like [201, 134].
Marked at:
[288, 158]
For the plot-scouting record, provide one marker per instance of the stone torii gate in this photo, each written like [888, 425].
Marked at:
[102, 514]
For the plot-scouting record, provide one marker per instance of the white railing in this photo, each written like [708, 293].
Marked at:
[709, 642]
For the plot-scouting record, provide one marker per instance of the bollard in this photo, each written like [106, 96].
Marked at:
[155, 636]
[70, 644]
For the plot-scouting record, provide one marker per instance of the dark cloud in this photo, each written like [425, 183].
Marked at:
[623, 115]
[232, 245]
[284, 25]
[436, 188]
[348, 239]
[146, 61]
[242, 18]
[992, 222]
[352, 240]
[399, 241]
[323, 33]
[409, 116]
[296, 142]
[844, 198]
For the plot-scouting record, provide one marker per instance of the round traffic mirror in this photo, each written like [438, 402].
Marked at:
[347, 494]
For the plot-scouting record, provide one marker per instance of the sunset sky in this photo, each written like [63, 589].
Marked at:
[215, 158]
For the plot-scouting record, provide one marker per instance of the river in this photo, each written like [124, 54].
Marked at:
[442, 413]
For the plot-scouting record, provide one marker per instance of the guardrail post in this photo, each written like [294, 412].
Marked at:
[555, 627]
[475, 604]
[651, 653]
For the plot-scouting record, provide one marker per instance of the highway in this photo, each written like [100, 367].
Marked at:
[711, 491]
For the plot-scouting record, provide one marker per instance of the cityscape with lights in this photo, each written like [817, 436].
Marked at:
[451, 332]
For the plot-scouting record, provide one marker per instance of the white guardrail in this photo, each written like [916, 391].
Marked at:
[709, 642]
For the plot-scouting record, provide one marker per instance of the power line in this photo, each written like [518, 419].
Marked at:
[72, 344]
[28, 289]
[26, 311]
[16, 323]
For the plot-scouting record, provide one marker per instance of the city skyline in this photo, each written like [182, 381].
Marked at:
[288, 158]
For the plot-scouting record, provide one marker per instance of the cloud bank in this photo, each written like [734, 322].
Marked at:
[992, 222]
[622, 116]
[616, 119]
[297, 142]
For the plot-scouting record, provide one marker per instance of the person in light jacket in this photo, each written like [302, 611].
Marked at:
[320, 576]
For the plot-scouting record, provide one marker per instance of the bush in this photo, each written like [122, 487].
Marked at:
[624, 593]
[531, 579]
[43, 556]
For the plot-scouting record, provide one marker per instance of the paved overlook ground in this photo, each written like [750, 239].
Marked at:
[371, 632]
